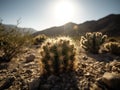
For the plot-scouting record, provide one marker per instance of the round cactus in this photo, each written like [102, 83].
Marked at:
[91, 42]
[58, 55]
[112, 47]
[39, 39]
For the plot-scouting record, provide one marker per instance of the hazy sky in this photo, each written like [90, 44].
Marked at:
[41, 14]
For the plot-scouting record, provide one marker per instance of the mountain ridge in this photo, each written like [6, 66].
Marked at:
[21, 29]
[109, 25]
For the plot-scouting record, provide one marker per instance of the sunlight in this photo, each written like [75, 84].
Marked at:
[64, 11]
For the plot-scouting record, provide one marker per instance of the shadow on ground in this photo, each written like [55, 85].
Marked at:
[64, 81]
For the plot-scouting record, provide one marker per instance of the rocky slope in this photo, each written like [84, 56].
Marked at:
[24, 73]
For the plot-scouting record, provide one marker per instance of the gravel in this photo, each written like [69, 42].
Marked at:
[25, 73]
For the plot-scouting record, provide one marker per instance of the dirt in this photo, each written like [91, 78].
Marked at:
[24, 72]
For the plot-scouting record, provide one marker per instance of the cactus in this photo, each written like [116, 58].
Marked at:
[39, 39]
[91, 42]
[112, 47]
[58, 55]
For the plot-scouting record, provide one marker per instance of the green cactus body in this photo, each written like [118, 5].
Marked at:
[91, 42]
[112, 47]
[58, 55]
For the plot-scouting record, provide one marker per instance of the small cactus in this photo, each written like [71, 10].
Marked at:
[112, 47]
[39, 39]
[58, 55]
[91, 42]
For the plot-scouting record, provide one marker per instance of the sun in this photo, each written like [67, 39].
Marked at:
[64, 11]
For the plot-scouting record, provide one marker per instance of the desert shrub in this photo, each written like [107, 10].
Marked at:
[11, 42]
[91, 42]
[39, 39]
[112, 47]
[58, 55]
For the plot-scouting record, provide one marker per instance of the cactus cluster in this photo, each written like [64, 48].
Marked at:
[112, 47]
[58, 55]
[39, 39]
[91, 42]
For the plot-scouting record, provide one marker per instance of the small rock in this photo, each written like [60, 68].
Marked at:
[87, 74]
[113, 63]
[15, 70]
[84, 57]
[30, 58]
[28, 71]
[112, 80]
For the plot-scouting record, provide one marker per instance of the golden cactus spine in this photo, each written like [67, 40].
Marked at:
[112, 47]
[91, 42]
[58, 55]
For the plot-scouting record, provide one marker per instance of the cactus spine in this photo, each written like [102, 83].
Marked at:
[39, 39]
[91, 42]
[112, 47]
[58, 55]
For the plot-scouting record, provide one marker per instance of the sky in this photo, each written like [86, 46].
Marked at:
[42, 14]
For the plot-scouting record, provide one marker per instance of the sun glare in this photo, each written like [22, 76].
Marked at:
[64, 11]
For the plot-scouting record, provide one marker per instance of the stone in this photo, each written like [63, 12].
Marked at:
[28, 71]
[87, 74]
[112, 80]
[15, 70]
[109, 81]
[84, 57]
[30, 58]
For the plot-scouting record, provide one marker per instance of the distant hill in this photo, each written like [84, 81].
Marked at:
[108, 25]
[10, 27]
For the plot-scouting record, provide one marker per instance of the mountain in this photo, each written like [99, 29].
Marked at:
[10, 27]
[109, 25]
